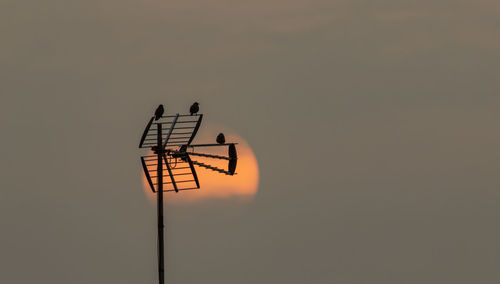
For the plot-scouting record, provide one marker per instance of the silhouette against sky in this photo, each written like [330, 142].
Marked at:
[374, 123]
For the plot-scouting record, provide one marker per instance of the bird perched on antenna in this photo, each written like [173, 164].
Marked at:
[194, 108]
[159, 112]
[220, 138]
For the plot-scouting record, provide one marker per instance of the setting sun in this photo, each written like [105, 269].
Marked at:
[243, 185]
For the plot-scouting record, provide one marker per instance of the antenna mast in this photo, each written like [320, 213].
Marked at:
[170, 149]
[159, 198]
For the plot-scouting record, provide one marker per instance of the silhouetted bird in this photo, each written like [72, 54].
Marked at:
[221, 139]
[159, 112]
[194, 108]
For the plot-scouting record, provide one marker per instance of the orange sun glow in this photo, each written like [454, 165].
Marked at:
[243, 185]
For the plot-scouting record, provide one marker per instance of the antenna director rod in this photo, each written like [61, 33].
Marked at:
[210, 145]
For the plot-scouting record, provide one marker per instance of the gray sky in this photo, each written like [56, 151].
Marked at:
[375, 125]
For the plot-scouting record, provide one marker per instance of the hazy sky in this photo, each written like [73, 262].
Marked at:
[375, 125]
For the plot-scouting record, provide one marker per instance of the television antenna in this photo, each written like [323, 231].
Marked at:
[171, 167]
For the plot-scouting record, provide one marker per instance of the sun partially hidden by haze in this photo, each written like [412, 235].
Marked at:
[213, 185]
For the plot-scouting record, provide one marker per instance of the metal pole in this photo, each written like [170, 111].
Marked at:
[161, 272]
